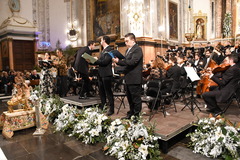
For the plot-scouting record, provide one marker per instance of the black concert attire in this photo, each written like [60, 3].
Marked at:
[34, 77]
[82, 67]
[73, 83]
[105, 78]
[175, 73]
[227, 82]
[133, 63]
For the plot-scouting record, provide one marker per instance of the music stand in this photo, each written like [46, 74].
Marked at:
[191, 101]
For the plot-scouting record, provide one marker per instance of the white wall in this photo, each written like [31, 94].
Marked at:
[26, 10]
[58, 22]
[4, 11]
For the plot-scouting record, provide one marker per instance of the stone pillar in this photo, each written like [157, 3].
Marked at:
[235, 17]
[218, 18]
[90, 18]
[10, 47]
[229, 6]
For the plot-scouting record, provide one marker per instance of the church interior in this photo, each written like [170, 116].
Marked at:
[202, 35]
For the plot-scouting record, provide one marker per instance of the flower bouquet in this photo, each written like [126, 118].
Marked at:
[216, 138]
[66, 119]
[91, 126]
[133, 141]
[49, 106]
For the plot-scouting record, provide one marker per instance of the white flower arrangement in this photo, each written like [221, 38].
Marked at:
[49, 106]
[66, 119]
[214, 138]
[91, 126]
[133, 141]
[125, 139]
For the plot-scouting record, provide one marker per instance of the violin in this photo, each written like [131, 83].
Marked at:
[168, 66]
[221, 68]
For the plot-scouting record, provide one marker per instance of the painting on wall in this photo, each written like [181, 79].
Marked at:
[107, 20]
[173, 20]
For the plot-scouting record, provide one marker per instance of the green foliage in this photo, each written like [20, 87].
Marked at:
[227, 25]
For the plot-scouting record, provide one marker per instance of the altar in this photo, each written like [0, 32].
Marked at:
[18, 120]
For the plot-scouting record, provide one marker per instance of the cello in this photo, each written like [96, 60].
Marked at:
[205, 82]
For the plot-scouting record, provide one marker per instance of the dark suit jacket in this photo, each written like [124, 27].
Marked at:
[80, 64]
[105, 63]
[175, 73]
[227, 83]
[35, 77]
[133, 63]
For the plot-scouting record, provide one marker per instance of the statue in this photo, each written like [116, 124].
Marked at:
[20, 97]
[199, 30]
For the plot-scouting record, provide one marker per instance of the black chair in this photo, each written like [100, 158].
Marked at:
[234, 96]
[163, 95]
[120, 93]
[167, 98]
[120, 96]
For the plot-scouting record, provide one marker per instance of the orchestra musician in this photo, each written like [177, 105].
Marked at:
[174, 72]
[227, 83]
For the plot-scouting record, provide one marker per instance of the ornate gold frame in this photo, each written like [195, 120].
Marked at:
[200, 17]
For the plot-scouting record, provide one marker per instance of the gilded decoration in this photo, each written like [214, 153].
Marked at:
[238, 18]
[200, 26]
[173, 20]
[107, 20]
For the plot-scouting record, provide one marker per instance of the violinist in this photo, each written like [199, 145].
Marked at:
[227, 53]
[198, 63]
[209, 46]
[227, 83]
[237, 48]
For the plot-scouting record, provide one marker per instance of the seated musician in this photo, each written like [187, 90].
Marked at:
[198, 63]
[227, 83]
[175, 73]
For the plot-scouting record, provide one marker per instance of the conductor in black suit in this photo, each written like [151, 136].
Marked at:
[227, 83]
[81, 66]
[133, 63]
[105, 75]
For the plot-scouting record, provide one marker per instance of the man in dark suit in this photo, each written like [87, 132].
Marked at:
[81, 66]
[175, 73]
[34, 75]
[105, 75]
[227, 83]
[209, 47]
[133, 64]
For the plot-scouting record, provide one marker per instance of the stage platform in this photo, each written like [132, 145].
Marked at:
[171, 128]
[74, 100]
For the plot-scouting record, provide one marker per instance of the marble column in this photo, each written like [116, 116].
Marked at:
[218, 18]
[229, 6]
[10, 47]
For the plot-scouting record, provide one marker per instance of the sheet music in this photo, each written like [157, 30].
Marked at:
[192, 74]
[89, 57]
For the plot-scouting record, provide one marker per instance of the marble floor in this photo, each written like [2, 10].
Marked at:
[52, 146]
